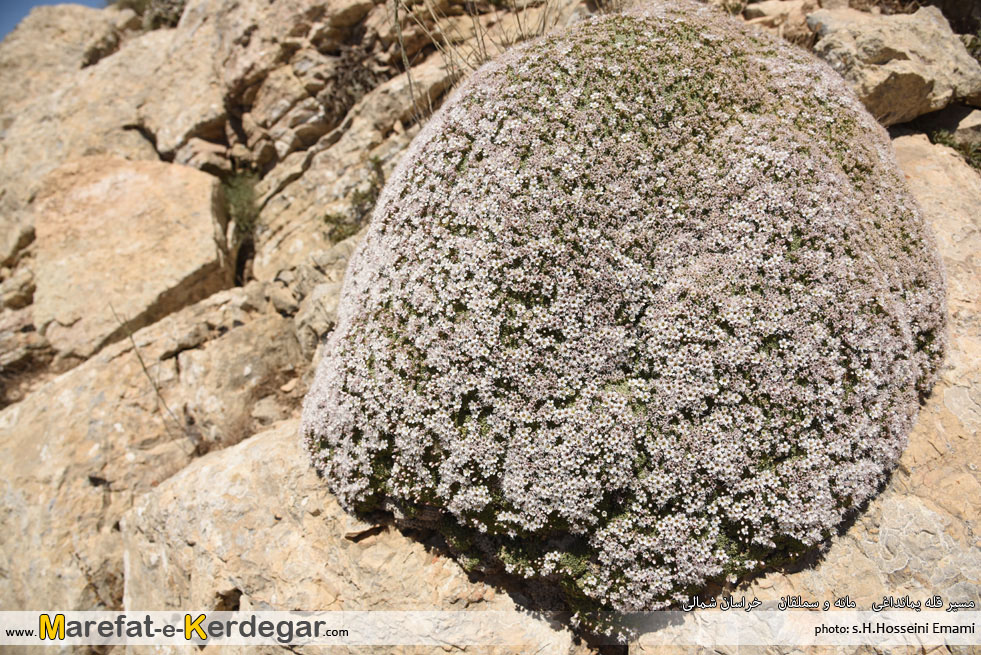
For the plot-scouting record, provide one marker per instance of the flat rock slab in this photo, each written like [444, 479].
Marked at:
[120, 244]
[256, 523]
[900, 66]
[83, 446]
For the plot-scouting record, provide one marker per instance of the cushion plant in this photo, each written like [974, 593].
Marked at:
[646, 304]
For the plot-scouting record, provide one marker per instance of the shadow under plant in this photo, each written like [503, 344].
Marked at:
[596, 626]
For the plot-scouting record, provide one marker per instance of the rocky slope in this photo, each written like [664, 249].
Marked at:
[178, 209]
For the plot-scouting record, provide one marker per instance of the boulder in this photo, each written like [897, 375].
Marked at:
[901, 66]
[204, 155]
[222, 382]
[123, 105]
[23, 354]
[254, 523]
[82, 447]
[217, 57]
[91, 114]
[187, 60]
[120, 244]
[317, 316]
[17, 290]
[52, 44]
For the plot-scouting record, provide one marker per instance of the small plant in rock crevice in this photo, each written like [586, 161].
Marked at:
[238, 188]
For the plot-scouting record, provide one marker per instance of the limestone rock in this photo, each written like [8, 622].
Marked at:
[283, 300]
[83, 446]
[317, 316]
[221, 527]
[121, 244]
[296, 204]
[787, 18]
[17, 291]
[217, 57]
[223, 380]
[106, 109]
[91, 114]
[204, 155]
[53, 43]
[23, 354]
[186, 61]
[900, 66]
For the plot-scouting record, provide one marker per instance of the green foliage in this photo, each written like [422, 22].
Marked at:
[971, 152]
[239, 190]
[973, 43]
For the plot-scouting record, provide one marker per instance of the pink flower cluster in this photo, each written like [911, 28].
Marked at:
[647, 302]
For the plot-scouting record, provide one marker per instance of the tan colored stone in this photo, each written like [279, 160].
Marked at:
[17, 291]
[24, 355]
[901, 66]
[205, 156]
[256, 522]
[183, 96]
[82, 447]
[223, 381]
[91, 114]
[127, 104]
[317, 316]
[786, 18]
[121, 244]
[296, 202]
[277, 95]
[51, 45]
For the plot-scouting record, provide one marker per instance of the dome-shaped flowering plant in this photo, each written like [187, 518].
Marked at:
[645, 304]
